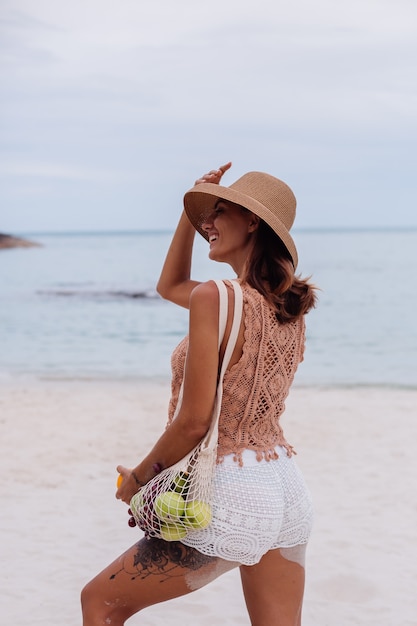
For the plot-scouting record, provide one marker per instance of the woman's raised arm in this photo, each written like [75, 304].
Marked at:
[175, 283]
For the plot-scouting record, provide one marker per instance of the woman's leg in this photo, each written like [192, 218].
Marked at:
[274, 587]
[149, 572]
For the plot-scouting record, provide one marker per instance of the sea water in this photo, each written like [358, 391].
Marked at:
[84, 306]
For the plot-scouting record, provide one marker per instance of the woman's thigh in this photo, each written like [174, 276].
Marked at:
[274, 587]
[149, 572]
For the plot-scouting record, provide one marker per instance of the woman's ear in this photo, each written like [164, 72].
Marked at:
[253, 223]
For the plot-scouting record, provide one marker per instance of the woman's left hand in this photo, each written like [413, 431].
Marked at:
[128, 487]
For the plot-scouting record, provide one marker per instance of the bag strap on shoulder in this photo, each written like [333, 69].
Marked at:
[210, 440]
[237, 317]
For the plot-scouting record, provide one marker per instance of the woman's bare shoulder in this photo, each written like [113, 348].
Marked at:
[204, 299]
[205, 292]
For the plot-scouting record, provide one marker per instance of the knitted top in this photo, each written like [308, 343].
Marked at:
[254, 388]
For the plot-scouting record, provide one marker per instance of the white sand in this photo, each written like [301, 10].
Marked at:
[60, 523]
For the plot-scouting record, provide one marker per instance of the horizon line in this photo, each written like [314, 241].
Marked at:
[149, 231]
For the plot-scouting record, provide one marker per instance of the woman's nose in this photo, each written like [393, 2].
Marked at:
[208, 222]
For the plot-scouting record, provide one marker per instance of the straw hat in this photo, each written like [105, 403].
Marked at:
[268, 197]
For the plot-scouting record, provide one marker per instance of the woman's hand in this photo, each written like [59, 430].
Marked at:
[214, 176]
[129, 485]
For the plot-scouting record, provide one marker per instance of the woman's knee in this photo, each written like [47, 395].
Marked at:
[85, 596]
[90, 606]
[97, 611]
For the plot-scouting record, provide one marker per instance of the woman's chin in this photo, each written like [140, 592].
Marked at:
[213, 256]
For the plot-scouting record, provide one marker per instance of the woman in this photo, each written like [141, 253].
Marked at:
[262, 513]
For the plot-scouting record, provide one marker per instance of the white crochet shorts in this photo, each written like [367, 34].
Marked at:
[258, 507]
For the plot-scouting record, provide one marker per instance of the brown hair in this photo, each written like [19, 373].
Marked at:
[271, 272]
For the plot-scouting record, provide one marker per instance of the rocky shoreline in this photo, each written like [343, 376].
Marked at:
[10, 241]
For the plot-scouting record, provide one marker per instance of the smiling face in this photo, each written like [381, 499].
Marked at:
[230, 228]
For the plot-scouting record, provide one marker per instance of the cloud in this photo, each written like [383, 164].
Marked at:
[113, 97]
[37, 169]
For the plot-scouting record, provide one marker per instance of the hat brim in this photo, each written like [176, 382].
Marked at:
[200, 201]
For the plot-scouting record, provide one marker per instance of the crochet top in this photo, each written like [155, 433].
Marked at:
[254, 388]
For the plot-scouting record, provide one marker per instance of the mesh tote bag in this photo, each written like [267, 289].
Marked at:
[177, 501]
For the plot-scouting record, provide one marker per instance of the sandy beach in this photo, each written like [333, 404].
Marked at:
[60, 522]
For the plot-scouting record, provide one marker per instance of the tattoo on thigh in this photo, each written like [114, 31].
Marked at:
[163, 558]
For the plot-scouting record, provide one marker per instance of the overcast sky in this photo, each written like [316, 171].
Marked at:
[111, 109]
